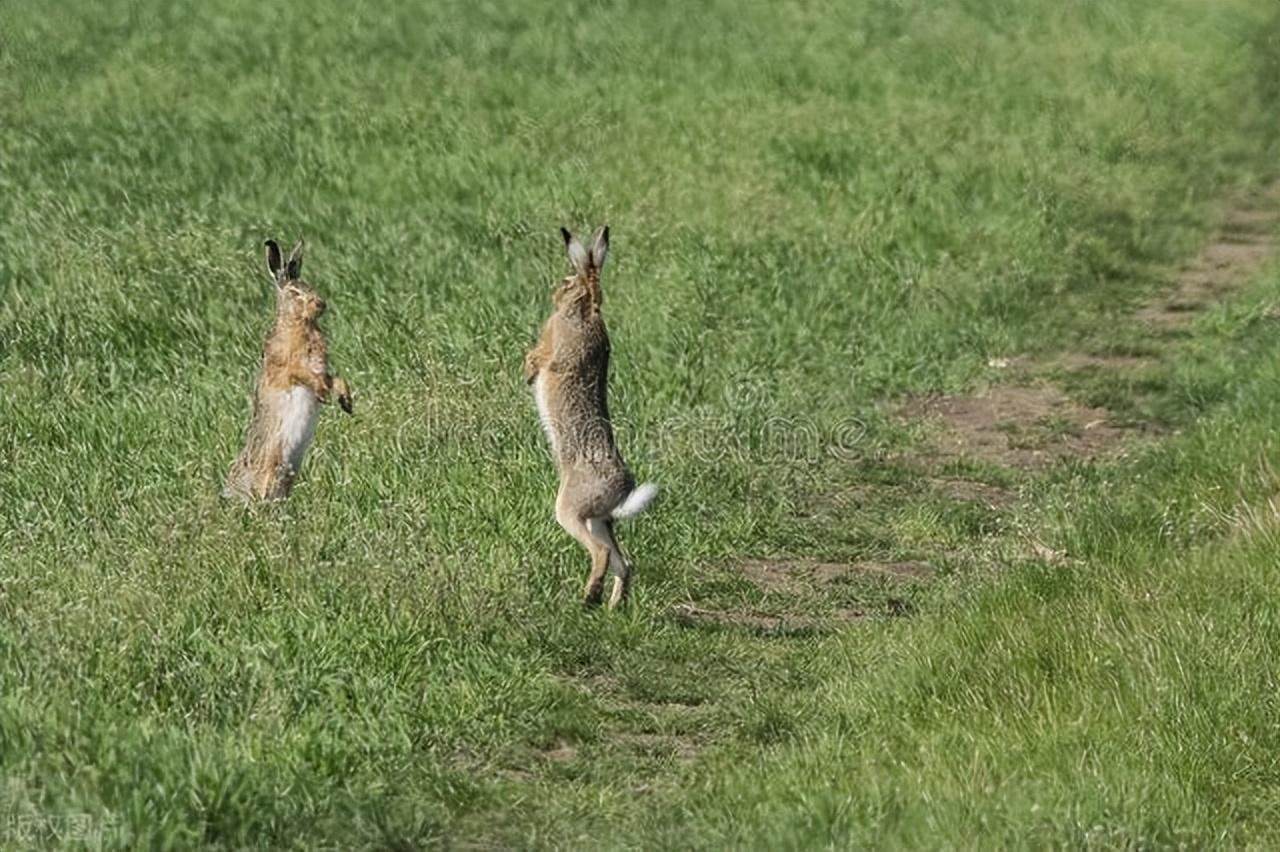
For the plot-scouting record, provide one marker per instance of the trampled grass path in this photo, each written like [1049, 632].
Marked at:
[1024, 422]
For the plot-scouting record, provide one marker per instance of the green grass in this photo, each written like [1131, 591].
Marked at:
[817, 208]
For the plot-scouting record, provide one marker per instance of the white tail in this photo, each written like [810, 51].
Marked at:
[636, 502]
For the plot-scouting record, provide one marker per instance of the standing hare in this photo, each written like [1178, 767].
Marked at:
[569, 370]
[294, 378]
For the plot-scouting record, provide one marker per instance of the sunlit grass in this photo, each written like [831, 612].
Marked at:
[816, 208]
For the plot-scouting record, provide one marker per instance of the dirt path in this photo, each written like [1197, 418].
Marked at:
[1032, 426]
[1015, 426]
[1025, 426]
[1244, 244]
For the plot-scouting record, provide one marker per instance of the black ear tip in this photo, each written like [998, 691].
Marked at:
[564, 232]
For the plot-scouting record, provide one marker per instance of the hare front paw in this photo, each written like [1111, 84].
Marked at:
[530, 368]
[344, 393]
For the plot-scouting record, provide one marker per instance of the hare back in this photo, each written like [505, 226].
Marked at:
[572, 391]
[575, 416]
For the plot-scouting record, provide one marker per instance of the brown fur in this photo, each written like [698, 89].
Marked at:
[569, 367]
[295, 353]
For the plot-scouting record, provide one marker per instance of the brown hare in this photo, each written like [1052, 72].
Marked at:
[294, 378]
[569, 370]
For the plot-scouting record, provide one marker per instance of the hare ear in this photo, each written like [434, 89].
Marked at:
[275, 261]
[577, 254]
[293, 269]
[599, 247]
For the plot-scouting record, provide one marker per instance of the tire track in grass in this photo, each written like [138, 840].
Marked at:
[1244, 244]
[1024, 428]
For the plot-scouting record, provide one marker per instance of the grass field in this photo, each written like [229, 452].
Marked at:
[821, 212]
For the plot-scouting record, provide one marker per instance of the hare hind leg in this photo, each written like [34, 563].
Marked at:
[576, 526]
[239, 482]
[275, 476]
[602, 529]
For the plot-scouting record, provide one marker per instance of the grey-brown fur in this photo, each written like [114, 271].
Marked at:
[293, 379]
[569, 370]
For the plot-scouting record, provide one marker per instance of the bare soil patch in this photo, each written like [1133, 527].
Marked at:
[958, 489]
[799, 579]
[1028, 428]
[611, 692]
[1077, 362]
[846, 499]
[799, 575]
[1238, 252]
[1022, 425]
[593, 684]
[682, 747]
[972, 491]
[693, 615]
[561, 752]
[1255, 221]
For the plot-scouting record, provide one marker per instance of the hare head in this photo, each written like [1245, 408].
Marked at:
[295, 298]
[584, 283]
